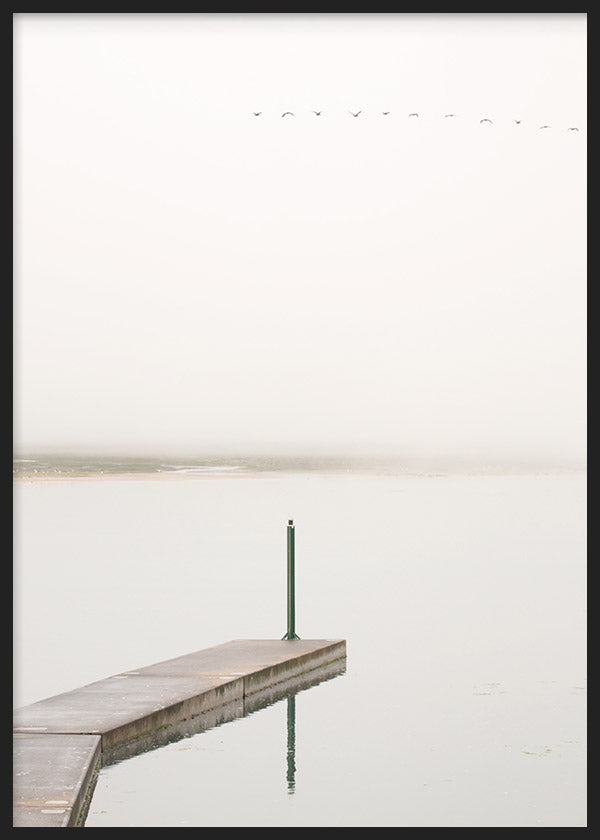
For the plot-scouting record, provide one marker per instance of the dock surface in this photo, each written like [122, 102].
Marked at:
[60, 743]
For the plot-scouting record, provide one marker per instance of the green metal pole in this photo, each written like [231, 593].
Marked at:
[291, 595]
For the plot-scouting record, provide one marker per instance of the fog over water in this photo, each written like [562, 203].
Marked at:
[374, 325]
[192, 279]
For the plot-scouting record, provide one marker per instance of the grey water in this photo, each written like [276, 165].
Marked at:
[462, 599]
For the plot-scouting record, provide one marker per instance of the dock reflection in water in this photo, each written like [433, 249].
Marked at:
[232, 711]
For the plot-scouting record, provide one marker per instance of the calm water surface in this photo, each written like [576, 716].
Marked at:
[462, 600]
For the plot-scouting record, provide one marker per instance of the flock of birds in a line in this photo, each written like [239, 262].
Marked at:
[413, 114]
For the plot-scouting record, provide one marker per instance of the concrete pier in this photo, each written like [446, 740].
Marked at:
[61, 742]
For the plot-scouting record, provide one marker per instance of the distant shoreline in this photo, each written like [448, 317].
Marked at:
[276, 474]
[90, 467]
[139, 476]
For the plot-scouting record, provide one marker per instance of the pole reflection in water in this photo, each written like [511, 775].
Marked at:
[291, 743]
[287, 691]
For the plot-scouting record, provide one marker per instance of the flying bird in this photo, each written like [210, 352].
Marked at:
[518, 122]
[257, 113]
[285, 113]
[317, 113]
[448, 115]
[413, 115]
[573, 128]
[357, 113]
[385, 113]
[485, 119]
[544, 126]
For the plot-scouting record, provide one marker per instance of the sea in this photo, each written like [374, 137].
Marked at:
[460, 591]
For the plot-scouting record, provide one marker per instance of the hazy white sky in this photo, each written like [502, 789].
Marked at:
[189, 276]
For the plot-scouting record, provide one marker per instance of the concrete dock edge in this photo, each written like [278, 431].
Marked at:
[60, 743]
